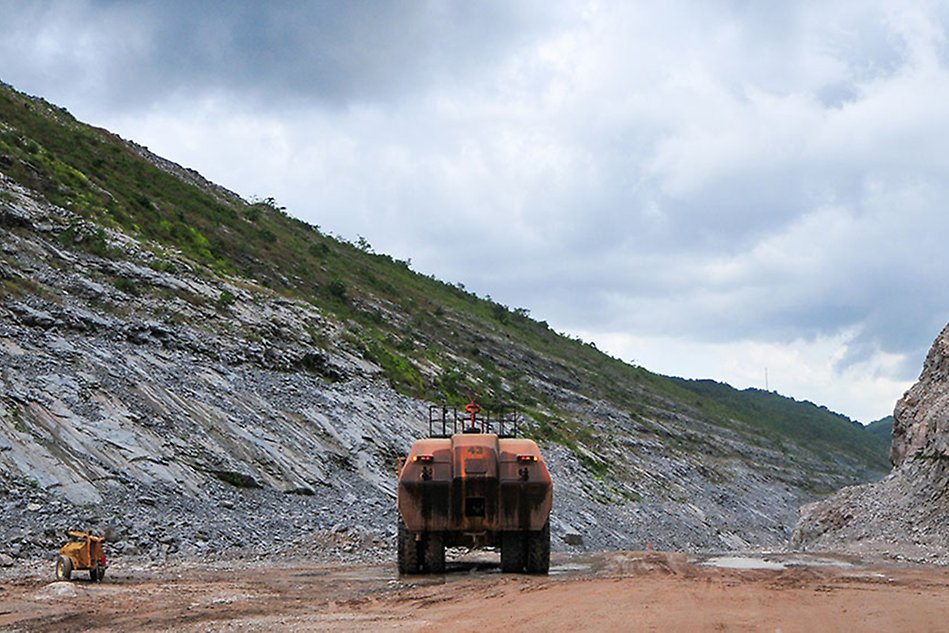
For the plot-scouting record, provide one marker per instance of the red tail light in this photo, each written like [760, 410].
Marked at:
[422, 458]
[527, 458]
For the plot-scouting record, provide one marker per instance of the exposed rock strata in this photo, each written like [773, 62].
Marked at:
[133, 398]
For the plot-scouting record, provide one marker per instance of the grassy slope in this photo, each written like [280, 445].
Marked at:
[404, 319]
[785, 419]
[882, 429]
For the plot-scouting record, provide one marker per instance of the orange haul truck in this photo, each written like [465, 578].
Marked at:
[474, 483]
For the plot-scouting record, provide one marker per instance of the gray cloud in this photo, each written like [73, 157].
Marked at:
[311, 53]
[722, 172]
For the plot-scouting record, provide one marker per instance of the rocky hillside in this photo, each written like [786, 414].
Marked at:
[906, 515]
[204, 375]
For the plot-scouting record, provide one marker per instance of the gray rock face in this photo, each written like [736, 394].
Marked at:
[133, 401]
[906, 515]
[921, 418]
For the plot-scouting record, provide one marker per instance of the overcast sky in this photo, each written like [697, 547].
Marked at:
[706, 189]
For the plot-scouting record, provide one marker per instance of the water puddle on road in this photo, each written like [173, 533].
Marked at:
[569, 568]
[776, 562]
[743, 562]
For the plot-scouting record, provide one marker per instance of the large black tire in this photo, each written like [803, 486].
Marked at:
[408, 550]
[513, 552]
[63, 568]
[538, 550]
[435, 553]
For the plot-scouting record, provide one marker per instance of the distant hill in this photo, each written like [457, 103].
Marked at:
[784, 419]
[160, 336]
[883, 429]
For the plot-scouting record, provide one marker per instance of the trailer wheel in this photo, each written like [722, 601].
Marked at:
[435, 553]
[63, 568]
[513, 552]
[538, 550]
[408, 550]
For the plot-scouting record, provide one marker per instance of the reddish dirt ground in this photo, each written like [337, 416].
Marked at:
[615, 591]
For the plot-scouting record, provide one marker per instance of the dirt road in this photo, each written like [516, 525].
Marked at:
[616, 591]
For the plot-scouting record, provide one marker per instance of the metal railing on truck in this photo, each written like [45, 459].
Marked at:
[444, 421]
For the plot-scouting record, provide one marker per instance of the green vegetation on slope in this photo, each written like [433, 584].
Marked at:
[784, 419]
[883, 430]
[399, 319]
[107, 181]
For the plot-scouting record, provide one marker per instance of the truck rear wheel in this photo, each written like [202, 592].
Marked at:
[538, 550]
[513, 552]
[435, 553]
[408, 550]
